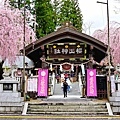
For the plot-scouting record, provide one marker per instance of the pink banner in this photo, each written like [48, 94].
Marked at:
[91, 82]
[43, 82]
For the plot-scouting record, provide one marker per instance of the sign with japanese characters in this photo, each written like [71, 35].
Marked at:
[66, 50]
[32, 84]
[91, 82]
[7, 86]
[43, 82]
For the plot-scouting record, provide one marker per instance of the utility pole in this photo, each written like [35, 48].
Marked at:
[24, 57]
[108, 50]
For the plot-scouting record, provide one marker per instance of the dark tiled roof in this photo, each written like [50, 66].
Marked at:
[64, 32]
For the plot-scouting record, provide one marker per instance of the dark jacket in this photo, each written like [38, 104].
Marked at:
[65, 84]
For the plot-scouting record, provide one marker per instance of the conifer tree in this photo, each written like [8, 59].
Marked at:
[44, 17]
[71, 12]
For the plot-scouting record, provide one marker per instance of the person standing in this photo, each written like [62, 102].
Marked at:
[65, 86]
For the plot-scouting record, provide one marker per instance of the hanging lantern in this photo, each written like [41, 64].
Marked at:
[66, 66]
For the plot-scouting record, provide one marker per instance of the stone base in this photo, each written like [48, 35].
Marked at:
[114, 99]
[116, 110]
[10, 99]
[116, 94]
[11, 108]
[115, 102]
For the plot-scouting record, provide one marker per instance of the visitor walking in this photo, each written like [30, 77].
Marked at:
[65, 85]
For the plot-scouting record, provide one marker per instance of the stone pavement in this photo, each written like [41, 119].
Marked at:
[70, 99]
[73, 96]
[74, 91]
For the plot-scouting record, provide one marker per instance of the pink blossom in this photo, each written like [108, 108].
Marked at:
[102, 35]
[12, 32]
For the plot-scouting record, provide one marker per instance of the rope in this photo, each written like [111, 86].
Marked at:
[66, 62]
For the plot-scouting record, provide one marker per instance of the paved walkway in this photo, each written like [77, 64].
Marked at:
[73, 96]
[74, 91]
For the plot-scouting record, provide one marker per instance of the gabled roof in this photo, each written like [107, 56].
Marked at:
[19, 62]
[69, 32]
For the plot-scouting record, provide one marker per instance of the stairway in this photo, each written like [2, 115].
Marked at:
[87, 108]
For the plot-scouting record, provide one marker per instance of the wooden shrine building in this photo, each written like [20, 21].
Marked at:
[65, 45]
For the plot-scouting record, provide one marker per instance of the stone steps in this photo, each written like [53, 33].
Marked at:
[69, 113]
[65, 110]
[86, 108]
[115, 102]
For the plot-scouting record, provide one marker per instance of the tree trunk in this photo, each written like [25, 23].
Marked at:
[1, 70]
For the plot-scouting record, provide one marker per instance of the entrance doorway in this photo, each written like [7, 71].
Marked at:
[56, 86]
[74, 89]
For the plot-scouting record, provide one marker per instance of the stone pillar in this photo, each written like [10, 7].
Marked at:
[115, 99]
[1, 87]
[118, 84]
[15, 87]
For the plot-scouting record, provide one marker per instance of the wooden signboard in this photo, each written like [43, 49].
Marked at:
[66, 50]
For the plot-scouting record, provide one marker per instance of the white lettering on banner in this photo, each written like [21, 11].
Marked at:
[91, 85]
[64, 51]
[79, 50]
[68, 51]
[57, 51]
[71, 51]
[42, 91]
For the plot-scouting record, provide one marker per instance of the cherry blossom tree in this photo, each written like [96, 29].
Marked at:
[12, 31]
[102, 35]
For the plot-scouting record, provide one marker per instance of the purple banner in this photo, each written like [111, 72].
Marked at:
[43, 82]
[91, 82]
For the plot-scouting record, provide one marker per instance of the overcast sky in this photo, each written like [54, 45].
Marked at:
[95, 14]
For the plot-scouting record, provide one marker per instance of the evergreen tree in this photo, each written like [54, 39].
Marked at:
[44, 17]
[71, 12]
[49, 16]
